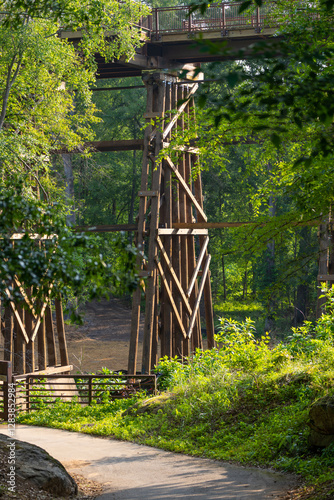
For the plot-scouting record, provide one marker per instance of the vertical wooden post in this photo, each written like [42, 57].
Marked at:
[152, 249]
[41, 346]
[19, 346]
[61, 333]
[210, 328]
[8, 334]
[135, 317]
[50, 337]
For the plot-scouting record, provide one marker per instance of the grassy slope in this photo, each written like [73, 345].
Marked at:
[244, 402]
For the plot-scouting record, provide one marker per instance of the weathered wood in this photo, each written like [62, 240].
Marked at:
[8, 335]
[123, 145]
[152, 250]
[182, 232]
[107, 228]
[50, 337]
[61, 333]
[30, 347]
[135, 315]
[179, 111]
[41, 346]
[198, 266]
[199, 296]
[20, 345]
[173, 274]
[170, 297]
[183, 183]
[210, 328]
[148, 193]
[325, 277]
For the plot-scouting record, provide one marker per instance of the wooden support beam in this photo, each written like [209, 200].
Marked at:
[198, 266]
[186, 188]
[179, 111]
[199, 296]
[182, 232]
[170, 297]
[124, 145]
[50, 337]
[106, 228]
[61, 333]
[175, 278]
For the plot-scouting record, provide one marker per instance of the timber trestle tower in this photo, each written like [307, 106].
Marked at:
[171, 258]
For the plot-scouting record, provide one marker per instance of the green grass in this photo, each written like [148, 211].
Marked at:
[244, 402]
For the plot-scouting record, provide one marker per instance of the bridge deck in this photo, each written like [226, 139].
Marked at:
[170, 34]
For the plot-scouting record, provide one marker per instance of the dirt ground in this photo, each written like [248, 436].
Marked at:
[103, 340]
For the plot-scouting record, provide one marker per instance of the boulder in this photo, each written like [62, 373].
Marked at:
[322, 422]
[36, 465]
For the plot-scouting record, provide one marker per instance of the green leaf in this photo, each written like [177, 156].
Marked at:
[244, 6]
[276, 140]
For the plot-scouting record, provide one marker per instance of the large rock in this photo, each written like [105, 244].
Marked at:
[322, 422]
[36, 465]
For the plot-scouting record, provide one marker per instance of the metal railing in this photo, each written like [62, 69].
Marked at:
[34, 392]
[218, 17]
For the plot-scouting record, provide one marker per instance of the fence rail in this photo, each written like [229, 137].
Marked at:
[222, 16]
[35, 391]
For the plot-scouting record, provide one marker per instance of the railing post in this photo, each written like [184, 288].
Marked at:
[28, 394]
[258, 29]
[5, 389]
[224, 28]
[189, 20]
[156, 15]
[90, 390]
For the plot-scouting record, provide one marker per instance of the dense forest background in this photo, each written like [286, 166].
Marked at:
[267, 273]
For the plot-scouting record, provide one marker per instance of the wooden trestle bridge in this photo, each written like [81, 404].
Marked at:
[172, 227]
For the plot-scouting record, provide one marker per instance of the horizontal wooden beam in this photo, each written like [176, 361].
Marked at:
[182, 232]
[221, 225]
[325, 277]
[107, 228]
[124, 145]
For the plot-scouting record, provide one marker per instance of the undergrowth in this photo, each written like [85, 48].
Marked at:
[243, 401]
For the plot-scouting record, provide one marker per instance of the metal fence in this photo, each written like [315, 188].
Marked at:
[34, 392]
[220, 16]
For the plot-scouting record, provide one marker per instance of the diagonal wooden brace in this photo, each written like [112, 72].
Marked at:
[174, 277]
[186, 188]
[170, 297]
[199, 296]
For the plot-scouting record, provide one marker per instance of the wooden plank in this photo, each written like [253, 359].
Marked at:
[325, 277]
[136, 299]
[19, 345]
[198, 265]
[153, 114]
[41, 346]
[199, 296]
[184, 149]
[20, 322]
[173, 274]
[50, 370]
[61, 333]
[123, 145]
[170, 298]
[107, 228]
[148, 193]
[41, 315]
[8, 335]
[50, 337]
[182, 232]
[186, 188]
[179, 111]
[159, 103]
[30, 347]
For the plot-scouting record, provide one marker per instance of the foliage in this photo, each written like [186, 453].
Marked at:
[54, 260]
[244, 401]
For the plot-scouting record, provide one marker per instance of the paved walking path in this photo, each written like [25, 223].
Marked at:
[133, 472]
